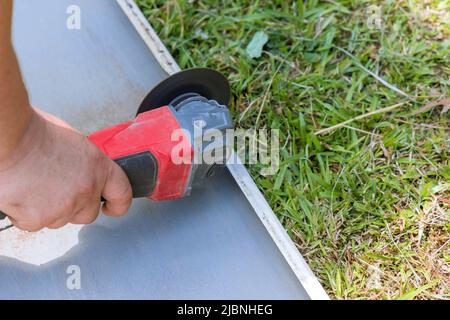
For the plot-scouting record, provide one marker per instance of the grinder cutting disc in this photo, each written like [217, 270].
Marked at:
[208, 83]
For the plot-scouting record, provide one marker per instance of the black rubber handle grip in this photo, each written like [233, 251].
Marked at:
[140, 168]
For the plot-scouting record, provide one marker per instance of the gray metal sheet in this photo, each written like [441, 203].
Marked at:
[210, 245]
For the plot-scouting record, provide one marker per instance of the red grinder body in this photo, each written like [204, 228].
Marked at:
[145, 147]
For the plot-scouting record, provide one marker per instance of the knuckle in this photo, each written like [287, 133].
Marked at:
[67, 206]
[96, 156]
[86, 218]
[28, 218]
[86, 187]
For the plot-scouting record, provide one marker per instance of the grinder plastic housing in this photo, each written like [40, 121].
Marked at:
[165, 149]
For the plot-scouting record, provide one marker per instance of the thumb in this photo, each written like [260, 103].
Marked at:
[116, 192]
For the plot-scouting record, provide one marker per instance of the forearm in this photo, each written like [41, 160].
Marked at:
[15, 110]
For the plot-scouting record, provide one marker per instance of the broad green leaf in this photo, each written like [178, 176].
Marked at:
[255, 46]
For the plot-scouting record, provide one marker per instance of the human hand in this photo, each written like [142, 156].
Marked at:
[56, 176]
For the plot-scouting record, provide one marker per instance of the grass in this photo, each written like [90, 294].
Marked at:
[364, 181]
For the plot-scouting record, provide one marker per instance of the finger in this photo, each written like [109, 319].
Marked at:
[27, 225]
[87, 215]
[58, 224]
[31, 224]
[61, 214]
[117, 192]
[62, 221]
